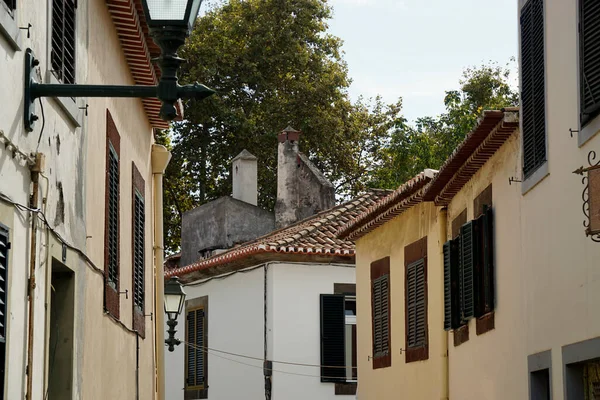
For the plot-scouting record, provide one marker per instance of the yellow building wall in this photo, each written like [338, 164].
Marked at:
[420, 379]
[108, 347]
[494, 365]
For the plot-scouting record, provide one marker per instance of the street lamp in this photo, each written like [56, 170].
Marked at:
[170, 22]
[174, 300]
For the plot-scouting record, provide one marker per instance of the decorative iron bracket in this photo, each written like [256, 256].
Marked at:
[590, 230]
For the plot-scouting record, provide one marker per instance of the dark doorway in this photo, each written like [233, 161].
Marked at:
[62, 312]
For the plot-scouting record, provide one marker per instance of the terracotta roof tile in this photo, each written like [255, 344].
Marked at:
[314, 235]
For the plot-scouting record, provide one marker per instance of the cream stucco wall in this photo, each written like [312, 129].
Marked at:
[492, 365]
[415, 380]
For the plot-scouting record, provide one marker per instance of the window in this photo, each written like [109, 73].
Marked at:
[415, 301]
[62, 54]
[139, 261]
[469, 273]
[380, 308]
[533, 102]
[338, 338]
[540, 372]
[10, 4]
[195, 375]
[4, 249]
[589, 47]
[111, 218]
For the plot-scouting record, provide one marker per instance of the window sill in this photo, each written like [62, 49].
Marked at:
[538, 176]
[588, 131]
[9, 28]
[68, 104]
[485, 323]
[461, 335]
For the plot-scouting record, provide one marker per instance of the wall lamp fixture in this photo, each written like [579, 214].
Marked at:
[170, 22]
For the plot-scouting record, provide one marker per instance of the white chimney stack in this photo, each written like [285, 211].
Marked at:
[245, 178]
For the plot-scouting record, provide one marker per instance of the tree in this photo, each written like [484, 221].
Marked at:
[431, 140]
[272, 63]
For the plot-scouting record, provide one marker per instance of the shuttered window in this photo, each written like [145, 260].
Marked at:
[533, 103]
[196, 349]
[468, 258]
[62, 54]
[380, 298]
[485, 281]
[451, 292]
[11, 4]
[416, 304]
[138, 251]
[589, 48]
[333, 338]
[113, 217]
[4, 249]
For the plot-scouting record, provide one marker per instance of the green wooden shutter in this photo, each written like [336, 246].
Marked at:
[467, 270]
[200, 347]
[4, 248]
[533, 88]
[416, 304]
[191, 350]
[196, 350]
[381, 316]
[451, 285]
[138, 251]
[589, 48]
[332, 338]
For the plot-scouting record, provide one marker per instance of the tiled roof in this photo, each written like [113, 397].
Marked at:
[406, 196]
[315, 235]
[139, 49]
[492, 130]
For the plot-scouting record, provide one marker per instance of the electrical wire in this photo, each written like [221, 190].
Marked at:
[206, 348]
[43, 124]
[258, 366]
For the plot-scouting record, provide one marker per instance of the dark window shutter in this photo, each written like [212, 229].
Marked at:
[468, 259]
[4, 249]
[416, 304]
[589, 48]
[451, 285]
[63, 40]
[138, 251]
[533, 103]
[196, 350]
[487, 271]
[381, 316]
[11, 4]
[332, 338]
[113, 217]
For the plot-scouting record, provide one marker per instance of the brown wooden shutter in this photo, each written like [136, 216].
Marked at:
[196, 349]
[468, 260]
[111, 218]
[4, 250]
[333, 338]
[451, 292]
[415, 300]
[486, 277]
[381, 318]
[139, 251]
[533, 87]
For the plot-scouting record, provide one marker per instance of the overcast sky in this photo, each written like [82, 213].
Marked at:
[417, 49]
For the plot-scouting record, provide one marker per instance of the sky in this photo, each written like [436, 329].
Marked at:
[417, 49]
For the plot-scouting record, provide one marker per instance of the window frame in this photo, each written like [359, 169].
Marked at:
[8, 25]
[138, 191]
[539, 172]
[60, 77]
[111, 289]
[414, 253]
[537, 363]
[197, 391]
[574, 357]
[350, 385]
[379, 269]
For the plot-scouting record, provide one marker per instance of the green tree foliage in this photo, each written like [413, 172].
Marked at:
[430, 140]
[272, 63]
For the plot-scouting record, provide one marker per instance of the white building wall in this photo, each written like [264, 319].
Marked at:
[294, 317]
[235, 324]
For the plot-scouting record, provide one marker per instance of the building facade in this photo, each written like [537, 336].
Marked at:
[77, 206]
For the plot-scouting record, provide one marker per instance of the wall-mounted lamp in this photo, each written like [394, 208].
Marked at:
[174, 301]
[170, 22]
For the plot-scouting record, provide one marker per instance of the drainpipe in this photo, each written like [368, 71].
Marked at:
[443, 224]
[160, 160]
[33, 204]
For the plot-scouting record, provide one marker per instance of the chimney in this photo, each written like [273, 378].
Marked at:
[287, 177]
[244, 173]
